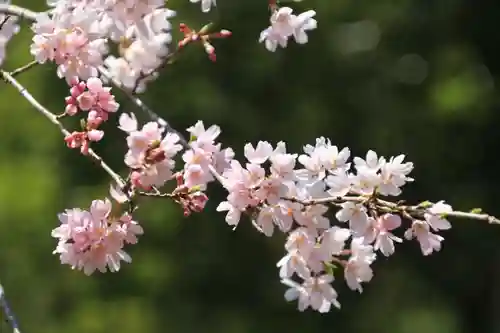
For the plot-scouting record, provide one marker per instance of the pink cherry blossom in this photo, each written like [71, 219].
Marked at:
[93, 240]
[379, 233]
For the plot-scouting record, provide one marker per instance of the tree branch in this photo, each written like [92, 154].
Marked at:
[18, 11]
[9, 315]
[24, 68]
[53, 119]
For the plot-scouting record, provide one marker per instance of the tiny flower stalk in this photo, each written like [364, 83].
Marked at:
[202, 36]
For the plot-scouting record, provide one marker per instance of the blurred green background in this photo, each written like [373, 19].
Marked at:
[411, 76]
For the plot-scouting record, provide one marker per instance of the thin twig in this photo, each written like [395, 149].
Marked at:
[155, 195]
[5, 19]
[9, 314]
[391, 206]
[54, 120]
[24, 68]
[458, 214]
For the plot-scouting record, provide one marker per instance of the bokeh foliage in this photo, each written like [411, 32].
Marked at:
[409, 76]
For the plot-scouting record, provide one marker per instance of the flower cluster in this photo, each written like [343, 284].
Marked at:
[71, 40]
[277, 195]
[143, 48]
[150, 155]
[151, 159]
[75, 36]
[291, 193]
[98, 101]
[94, 240]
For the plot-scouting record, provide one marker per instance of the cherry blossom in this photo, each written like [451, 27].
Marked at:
[284, 24]
[334, 210]
[94, 240]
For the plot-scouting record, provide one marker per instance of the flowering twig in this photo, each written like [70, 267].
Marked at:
[54, 120]
[9, 314]
[458, 214]
[393, 207]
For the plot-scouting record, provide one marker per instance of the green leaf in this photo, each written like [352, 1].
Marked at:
[329, 268]
[476, 210]
[195, 188]
[205, 28]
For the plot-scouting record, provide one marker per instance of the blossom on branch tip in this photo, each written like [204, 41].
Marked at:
[94, 239]
[284, 24]
[150, 153]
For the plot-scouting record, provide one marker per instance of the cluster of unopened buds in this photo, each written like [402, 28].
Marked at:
[97, 100]
[202, 37]
[276, 190]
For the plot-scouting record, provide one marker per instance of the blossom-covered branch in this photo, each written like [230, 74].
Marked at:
[339, 213]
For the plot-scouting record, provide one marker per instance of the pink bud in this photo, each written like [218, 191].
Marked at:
[75, 91]
[70, 100]
[82, 86]
[71, 110]
[74, 81]
[95, 135]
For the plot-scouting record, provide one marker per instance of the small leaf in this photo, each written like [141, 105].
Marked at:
[155, 144]
[205, 28]
[196, 188]
[329, 268]
[476, 210]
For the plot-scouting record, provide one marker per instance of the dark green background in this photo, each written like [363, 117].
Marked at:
[409, 76]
